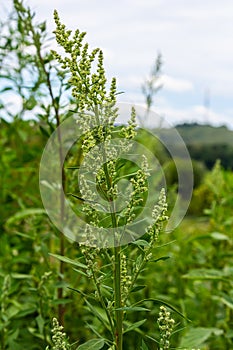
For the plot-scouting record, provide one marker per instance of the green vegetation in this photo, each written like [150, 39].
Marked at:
[205, 143]
[161, 291]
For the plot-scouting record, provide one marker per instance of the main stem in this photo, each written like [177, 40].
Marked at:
[117, 257]
[117, 298]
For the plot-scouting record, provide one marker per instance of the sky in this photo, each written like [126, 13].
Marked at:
[195, 39]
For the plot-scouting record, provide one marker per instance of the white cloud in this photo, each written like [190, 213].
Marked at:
[196, 113]
[176, 84]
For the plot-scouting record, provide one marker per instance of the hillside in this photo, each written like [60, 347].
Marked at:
[205, 134]
[194, 134]
[205, 143]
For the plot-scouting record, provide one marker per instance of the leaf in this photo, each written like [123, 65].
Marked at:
[25, 235]
[52, 187]
[23, 214]
[26, 312]
[225, 299]
[7, 88]
[137, 288]
[20, 275]
[197, 336]
[219, 236]
[93, 344]
[162, 258]
[132, 308]
[44, 131]
[81, 293]
[205, 274]
[30, 103]
[81, 272]
[158, 301]
[144, 346]
[40, 322]
[141, 242]
[68, 260]
[135, 325]
[94, 331]
[97, 313]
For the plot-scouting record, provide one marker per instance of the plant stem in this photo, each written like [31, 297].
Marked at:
[117, 255]
[118, 300]
[102, 302]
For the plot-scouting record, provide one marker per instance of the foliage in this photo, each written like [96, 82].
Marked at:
[193, 274]
[171, 175]
[205, 143]
[204, 134]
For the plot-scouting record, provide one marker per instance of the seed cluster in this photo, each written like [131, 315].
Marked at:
[59, 338]
[166, 324]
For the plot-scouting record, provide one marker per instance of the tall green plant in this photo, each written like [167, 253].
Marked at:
[114, 272]
[41, 87]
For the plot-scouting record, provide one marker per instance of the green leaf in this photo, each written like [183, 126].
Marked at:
[144, 346]
[197, 336]
[7, 88]
[205, 274]
[68, 260]
[137, 288]
[162, 258]
[219, 236]
[44, 131]
[20, 275]
[30, 103]
[225, 299]
[97, 313]
[80, 292]
[25, 235]
[132, 308]
[26, 312]
[94, 331]
[161, 302]
[81, 272]
[134, 326]
[141, 242]
[93, 344]
[23, 214]
[40, 322]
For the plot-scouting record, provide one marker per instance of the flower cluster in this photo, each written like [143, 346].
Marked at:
[90, 256]
[59, 338]
[159, 216]
[139, 184]
[166, 325]
[88, 88]
[126, 279]
[129, 132]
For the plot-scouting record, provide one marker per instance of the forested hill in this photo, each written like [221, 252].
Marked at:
[205, 143]
[205, 134]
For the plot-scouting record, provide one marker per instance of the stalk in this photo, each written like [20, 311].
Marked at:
[117, 258]
[118, 299]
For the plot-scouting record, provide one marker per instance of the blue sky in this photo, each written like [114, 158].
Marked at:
[195, 39]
